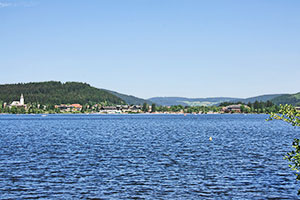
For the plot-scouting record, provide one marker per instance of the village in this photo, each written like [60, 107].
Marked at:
[21, 107]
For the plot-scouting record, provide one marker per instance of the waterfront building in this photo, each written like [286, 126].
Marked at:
[234, 108]
[67, 107]
[135, 108]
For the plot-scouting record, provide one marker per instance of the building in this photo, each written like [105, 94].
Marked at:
[20, 103]
[297, 109]
[120, 109]
[134, 109]
[234, 108]
[109, 108]
[68, 108]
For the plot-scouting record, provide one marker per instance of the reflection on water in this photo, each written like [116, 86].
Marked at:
[145, 157]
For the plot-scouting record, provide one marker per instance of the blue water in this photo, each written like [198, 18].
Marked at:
[145, 157]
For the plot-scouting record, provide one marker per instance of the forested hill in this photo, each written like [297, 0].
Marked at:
[168, 101]
[129, 99]
[54, 92]
[264, 98]
[293, 99]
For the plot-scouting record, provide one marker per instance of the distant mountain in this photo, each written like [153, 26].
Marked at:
[53, 92]
[129, 99]
[267, 97]
[169, 101]
[293, 99]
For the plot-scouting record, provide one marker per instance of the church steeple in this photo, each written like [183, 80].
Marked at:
[22, 99]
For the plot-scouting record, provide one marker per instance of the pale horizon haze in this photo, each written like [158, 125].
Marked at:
[150, 48]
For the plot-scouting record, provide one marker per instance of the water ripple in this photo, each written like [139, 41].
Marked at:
[145, 157]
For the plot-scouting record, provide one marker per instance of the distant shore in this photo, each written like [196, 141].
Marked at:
[185, 114]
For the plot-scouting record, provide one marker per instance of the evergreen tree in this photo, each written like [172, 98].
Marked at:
[256, 105]
[153, 108]
[145, 107]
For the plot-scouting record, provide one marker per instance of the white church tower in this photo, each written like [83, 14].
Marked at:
[22, 100]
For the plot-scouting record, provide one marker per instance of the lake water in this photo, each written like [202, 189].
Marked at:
[145, 157]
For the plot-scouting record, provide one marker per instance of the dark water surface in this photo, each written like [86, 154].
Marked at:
[145, 157]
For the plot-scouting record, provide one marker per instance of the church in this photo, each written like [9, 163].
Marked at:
[18, 103]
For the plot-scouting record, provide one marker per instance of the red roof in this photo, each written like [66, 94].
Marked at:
[76, 105]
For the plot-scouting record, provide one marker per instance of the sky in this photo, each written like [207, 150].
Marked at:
[148, 48]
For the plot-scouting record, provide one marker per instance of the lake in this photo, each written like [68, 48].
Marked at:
[145, 157]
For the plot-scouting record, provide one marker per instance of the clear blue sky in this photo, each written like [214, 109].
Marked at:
[146, 48]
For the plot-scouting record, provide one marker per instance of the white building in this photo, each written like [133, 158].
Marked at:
[18, 103]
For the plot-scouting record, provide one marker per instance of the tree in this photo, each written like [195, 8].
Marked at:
[269, 104]
[242, 108]
[256, 105]
[153, 108]
[14, 110]
[145, 107]
[289, 114]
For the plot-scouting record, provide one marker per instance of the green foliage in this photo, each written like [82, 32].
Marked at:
[173, 101]
[129, 99]
[53, 92]
[289, 114]
[170, 101]
[145, 107]
[177, 108]
[153, 107]
[223, 104]
[256, 107]
[243, 109]
[293, 99]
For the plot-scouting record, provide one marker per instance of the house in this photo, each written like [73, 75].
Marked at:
[297, 109]
[77, 107]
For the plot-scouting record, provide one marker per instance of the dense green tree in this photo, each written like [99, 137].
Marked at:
[256, 105]
[153, 107]
[145, 107]
[243, 109]
[269, 104]
[14, 110]
[289, 114]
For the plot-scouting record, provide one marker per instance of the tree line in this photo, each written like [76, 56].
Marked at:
[256, 107]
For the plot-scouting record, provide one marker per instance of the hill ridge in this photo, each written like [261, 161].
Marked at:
[56, 92]
[209, 101]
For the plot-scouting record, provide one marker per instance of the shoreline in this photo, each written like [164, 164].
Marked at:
[185, 114]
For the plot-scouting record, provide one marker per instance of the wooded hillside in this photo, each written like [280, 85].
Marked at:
[54, 92]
